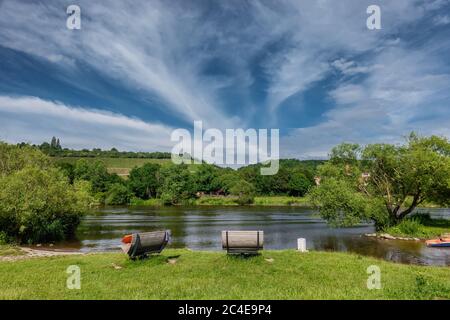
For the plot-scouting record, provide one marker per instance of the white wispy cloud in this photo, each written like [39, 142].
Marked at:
[162, 49]
[321, 30]
[399, 96]
[149, 46]
[35, 120]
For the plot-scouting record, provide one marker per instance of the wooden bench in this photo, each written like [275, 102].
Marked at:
[242, 242]
[142, 244]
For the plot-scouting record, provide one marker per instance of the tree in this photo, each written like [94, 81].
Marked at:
[245, 192]
[15, 158]
[382, 182]
[144, 181]
[298, 184]
[94, 172]
[225, 182]
[40, 205]
[118, 194]
[178, 184]
[53, 143]
[204, 177]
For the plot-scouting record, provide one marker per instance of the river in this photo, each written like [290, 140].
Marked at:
[199, 228]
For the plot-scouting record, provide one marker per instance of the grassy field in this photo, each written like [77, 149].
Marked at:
[121, 166]
[184, 274]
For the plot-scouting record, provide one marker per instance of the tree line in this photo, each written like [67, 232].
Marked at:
[54, 149]
[181, 184]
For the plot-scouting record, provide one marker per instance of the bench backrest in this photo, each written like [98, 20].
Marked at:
[148, 242]
[242, 241]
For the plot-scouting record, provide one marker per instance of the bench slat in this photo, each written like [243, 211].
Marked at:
[242, 241]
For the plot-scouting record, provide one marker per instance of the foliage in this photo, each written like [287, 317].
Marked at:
[55, 149]
[144, 181]
[225, 182]
[298, 184]
[341, 205]
[293, 178]
[40, 205]
[205, 178]
[358, 181]
[94, 172]
[244, 191]
[178, 184]
[420, 226]
[14, 158]
[118, 194]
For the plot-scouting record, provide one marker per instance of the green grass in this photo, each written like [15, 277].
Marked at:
[120, 166]
[213, 275]
[281, 201]
[148, 202]
[216, 201]
[420, 227]
[207, 200]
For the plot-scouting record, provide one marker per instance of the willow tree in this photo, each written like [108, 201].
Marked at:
[383, 182]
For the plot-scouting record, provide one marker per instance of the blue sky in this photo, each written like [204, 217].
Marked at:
[139, 69]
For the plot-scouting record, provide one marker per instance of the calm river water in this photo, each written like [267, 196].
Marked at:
[199, 228]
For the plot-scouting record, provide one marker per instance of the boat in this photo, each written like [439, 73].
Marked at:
[440, 242]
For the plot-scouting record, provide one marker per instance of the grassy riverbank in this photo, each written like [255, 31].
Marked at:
[231, 201]
[184, 274]
[420, 227]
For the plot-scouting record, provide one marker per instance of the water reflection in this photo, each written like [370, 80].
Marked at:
[199, 229]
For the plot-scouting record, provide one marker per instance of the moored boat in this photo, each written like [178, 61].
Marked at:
[440, 242]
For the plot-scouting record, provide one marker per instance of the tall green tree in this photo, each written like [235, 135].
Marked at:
[178, 184]
[37, 202]
[95, 172]
[205, 176]
[382, 182]
[145, 181]
[14, 158]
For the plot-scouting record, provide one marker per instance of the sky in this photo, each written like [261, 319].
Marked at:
[137, 70]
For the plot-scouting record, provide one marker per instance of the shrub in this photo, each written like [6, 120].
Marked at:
[144, 181]
[4, 239]
[40, 205]
[178, 185]
[118, 194]
[244, 191]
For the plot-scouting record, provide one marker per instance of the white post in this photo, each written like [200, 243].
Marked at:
[301, 244]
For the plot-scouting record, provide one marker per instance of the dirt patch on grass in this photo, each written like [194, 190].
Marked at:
[21, 253]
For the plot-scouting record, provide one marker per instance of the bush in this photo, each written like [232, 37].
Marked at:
[118, 194]
[244, 191]
[15, 158]
[144, 181]
[4, 239]
[178, 185]
[40, 205]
